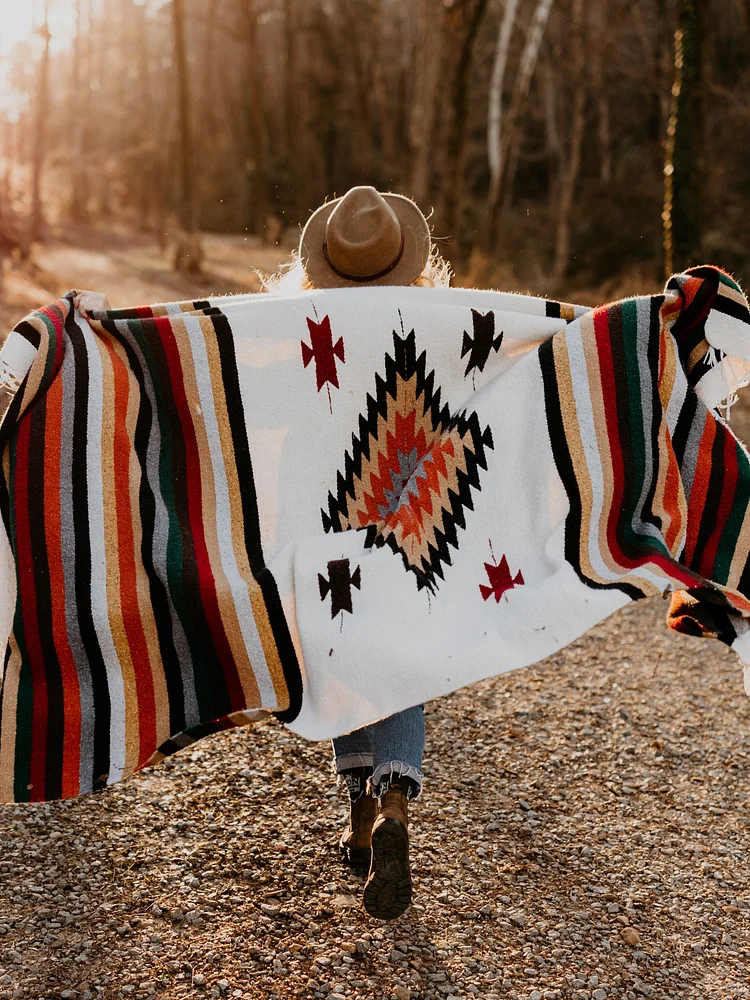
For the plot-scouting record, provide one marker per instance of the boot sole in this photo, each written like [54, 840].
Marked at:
[388, 890]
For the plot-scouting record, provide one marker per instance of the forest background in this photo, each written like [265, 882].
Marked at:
[578, 148]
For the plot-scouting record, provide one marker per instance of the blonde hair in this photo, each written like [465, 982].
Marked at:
[291, 276]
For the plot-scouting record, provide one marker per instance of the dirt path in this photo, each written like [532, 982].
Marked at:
[131, 270]
[584, 833]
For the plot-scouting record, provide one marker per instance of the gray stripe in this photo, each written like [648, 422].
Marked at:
[646, 377]
[690, 460]
[161, 533]
[83, 667]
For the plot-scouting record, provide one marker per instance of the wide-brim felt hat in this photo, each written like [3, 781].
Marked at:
[365, 238]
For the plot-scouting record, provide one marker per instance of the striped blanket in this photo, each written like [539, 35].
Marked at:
[335, 505]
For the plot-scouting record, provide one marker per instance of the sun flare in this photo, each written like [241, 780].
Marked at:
[20, 21]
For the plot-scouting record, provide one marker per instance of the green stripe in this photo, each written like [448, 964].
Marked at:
[733, 526]
[166, 415]
[726, 280]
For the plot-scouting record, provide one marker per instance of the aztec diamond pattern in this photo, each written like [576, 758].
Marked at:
[411, 471]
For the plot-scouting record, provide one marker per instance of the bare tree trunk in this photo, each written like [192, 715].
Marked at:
[550, 86]
[385, 119]
[745, 11]
[294, 196]
[495, 101]
[684, 170]
[358, 21]
[77, 122]
[187, 254]
[598, 63]
[257, 189]
[526, 68]
[573, 160]
[424, 107]
[462, 23]
[40, 133]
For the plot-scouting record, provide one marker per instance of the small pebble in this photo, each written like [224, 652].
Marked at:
[630, 936]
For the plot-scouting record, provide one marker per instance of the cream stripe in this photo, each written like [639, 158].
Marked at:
[111, 565]
[741, 553]
[240, 558]
[192, 361]
[253, 670]
[561, 346]
[143, 590]
[100, 611]
[585, 379]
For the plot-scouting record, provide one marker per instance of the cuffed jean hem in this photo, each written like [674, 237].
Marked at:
[351, 760]
[399, 769]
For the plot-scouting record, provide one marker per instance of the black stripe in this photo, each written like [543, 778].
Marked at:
[565, 469]
[710, 511]
[624, 438]
[29, 332]
[83, 569]
[211, 689]
[684, 426]
[43, 593]
[730, 307]
[648, 516]
[147, 511]
[11, 418]
[277, 618]
[552, 309]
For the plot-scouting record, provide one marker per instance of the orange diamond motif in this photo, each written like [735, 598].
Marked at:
[410, 475]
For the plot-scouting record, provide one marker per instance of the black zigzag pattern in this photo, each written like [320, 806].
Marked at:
[406, 365]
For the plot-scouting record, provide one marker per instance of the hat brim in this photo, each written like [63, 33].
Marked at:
[412, 262]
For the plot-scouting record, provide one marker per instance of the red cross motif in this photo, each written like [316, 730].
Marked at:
[324, 351]
[500, 580]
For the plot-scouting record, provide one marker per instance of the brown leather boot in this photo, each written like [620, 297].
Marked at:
[355, 842]
[388, 888]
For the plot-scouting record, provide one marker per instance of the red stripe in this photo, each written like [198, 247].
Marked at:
[609, 397]
[28, 602]
[699, 489]
[728, 489]
[206, 579]
[53, 538]
[126, 554]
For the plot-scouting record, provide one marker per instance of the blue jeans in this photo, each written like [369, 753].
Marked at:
[393, 746]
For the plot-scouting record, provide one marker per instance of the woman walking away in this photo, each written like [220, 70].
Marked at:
[362, 239]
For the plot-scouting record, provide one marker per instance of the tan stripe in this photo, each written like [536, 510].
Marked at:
[9, 721]
[112, 562]
[594, 382]
[575, 447]
[143, 590]
[257, 601]
[567, 311]
[664, 459]
[732, 293]
[225, 600]
[38, 365]
[698, 352]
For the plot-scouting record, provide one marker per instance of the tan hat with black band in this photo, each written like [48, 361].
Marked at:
[365, 238]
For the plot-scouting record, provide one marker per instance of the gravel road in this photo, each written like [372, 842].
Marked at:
[584, 833]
